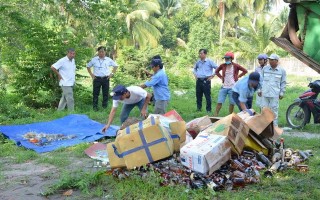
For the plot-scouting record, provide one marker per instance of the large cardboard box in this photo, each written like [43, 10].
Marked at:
[145, 146]
[194, 127]
[231, 126]
[139, 126]
[178, 134]
[206, 154]
[262, 124]
[115, 160]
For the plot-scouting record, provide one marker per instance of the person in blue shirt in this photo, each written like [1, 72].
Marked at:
[160, 84]
[204, 71]
[244, 89]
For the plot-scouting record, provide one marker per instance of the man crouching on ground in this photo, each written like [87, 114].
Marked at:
[130, 97]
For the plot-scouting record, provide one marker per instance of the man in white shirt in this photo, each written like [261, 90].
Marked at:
[65, 68]
[130, 97]
[101, 76]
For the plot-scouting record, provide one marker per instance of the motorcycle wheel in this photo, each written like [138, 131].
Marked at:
[296, 116]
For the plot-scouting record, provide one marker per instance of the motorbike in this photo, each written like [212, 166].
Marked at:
[299, 113]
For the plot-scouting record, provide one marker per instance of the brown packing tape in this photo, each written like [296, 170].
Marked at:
[115, 161]
[178, 128]
[142, 155]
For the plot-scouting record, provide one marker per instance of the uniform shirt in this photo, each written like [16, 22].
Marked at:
[101, 66]
[274, 81]
[67, 70]
[136, 94]
[203, 69]
[259, 70]
[159, 82]
[243, 89]
[229, 78]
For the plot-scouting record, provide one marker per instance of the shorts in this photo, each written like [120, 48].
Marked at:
[223, 92]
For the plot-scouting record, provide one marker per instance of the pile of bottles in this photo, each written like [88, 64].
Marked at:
[238, 172]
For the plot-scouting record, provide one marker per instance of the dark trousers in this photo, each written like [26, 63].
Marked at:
[98, 83]
[203, 87]
[235, 97]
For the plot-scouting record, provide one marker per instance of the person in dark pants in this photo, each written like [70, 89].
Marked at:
[244, 89]
[204, 71]
[101, 76]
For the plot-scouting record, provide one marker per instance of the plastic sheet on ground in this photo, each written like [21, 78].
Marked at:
[63, 132]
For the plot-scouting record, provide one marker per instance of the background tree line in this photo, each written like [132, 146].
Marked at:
[34, 34]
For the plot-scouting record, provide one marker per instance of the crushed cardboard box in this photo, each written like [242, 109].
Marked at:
[231, 126]
[194, 127]
[262, 124]
[206, 154]
[174, 115]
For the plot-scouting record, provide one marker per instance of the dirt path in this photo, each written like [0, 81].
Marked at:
[26, 181]
[302, 134]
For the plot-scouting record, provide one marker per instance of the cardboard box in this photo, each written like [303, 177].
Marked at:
[115, 160]
[214, 119]
[260, 123]
[145, 146]
[139, 126]
[231, 126]
[195, 126]
[178, 134]
[164, 121]
[174, 115]
[206, 154]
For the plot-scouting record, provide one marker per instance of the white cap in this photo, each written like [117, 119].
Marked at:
[274, 57]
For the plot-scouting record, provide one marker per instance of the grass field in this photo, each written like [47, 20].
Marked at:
[94, 184]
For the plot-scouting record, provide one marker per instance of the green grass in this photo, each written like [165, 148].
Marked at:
[287, 185]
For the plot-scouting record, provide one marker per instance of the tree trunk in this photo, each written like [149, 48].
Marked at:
[222, 14]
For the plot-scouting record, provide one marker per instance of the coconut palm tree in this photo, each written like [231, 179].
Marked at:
[219, 8]
[169, 7]
[142, 23]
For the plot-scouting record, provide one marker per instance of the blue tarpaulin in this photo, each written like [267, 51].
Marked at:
[80, 128]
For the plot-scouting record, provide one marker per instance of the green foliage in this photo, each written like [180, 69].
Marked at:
[76, 180]
[169, 34]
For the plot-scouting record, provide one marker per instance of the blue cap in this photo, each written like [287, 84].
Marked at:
[254, 77]
[156, 62]
[262, 56]
[118, 91]
[274, 57]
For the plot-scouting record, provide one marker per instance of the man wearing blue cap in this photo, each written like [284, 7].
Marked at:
[263, 61]
[243, 91]
[130, 97]
[160, 84]
[273, 85]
